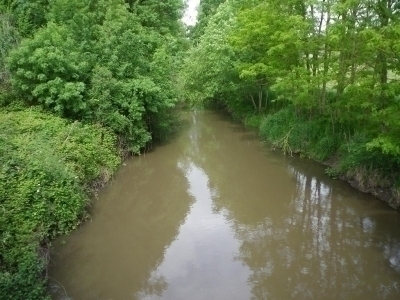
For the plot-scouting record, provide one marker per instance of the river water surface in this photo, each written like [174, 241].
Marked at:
[214, 214]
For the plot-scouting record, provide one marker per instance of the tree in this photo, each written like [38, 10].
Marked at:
[208, 71]
[95, 61]
[267, 40]
[29, 15]
[9, 39]
[206, 9]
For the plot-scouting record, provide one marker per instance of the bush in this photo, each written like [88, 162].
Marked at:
[47, 166]
[313, 137]
[275, 126]
[356, 155]
[100, 67]
[253, 121]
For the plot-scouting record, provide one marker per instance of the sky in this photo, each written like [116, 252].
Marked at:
[190, 15]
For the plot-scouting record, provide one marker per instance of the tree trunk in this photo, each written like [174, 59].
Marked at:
[383, 10]
[326, 61]
[254, 103]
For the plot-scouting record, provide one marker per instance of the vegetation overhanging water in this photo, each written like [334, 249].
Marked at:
[83, 83]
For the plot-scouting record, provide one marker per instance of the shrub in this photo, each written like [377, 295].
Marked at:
[313, 137]
[47, 165]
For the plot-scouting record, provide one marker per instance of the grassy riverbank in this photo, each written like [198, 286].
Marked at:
[345, 150]
[49, 168]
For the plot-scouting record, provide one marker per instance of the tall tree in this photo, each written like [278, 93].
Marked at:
[206, 9]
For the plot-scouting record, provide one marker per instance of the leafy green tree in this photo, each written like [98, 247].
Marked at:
[49, 70]
[209, 72]
[29, 15]
[206, 9]
[95, 61]
[163, 16]
[267, 40]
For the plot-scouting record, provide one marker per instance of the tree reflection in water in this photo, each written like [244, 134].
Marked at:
[309, 238]
[155, 285]
[214, 215]
[322, 249]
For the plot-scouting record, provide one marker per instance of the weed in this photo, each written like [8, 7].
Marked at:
[332, 173]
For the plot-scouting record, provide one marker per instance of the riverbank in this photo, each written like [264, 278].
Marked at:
[212, 212]
[344, 151]
[50, 167]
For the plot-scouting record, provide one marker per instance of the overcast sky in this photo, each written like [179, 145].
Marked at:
[191, 12]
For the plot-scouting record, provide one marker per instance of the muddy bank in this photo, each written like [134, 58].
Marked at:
[387, 194]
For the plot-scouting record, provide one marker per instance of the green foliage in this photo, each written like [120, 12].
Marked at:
[208, 72]
[253, 121]
[9, 38]
[357, 152]
[160, 15]
[49, 70]
[299, 135]
[206, 9]
[110, 72]
[224, 66]
[332, 173]
[47, 168]
[28, 15]
[25, 282]
[333, 67]
[99, 63]
[259, 37]
[275, 126]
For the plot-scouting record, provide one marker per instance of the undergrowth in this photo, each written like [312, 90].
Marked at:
[321, 140]
[314, 137]
[47, 167]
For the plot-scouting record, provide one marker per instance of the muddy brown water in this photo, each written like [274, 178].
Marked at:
[214, 214]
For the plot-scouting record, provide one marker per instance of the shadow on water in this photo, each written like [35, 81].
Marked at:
[183, 122]
[216, 215]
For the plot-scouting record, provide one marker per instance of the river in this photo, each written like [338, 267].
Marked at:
[215, 214]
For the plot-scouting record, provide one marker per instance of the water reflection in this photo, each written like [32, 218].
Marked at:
[135, 219]
[195, 266]
[314, 239]
[216, 215]
[318, 251]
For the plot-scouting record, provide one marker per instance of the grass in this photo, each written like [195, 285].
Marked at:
[369, 170]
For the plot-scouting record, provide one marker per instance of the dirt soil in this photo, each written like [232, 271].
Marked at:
[384, 194]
